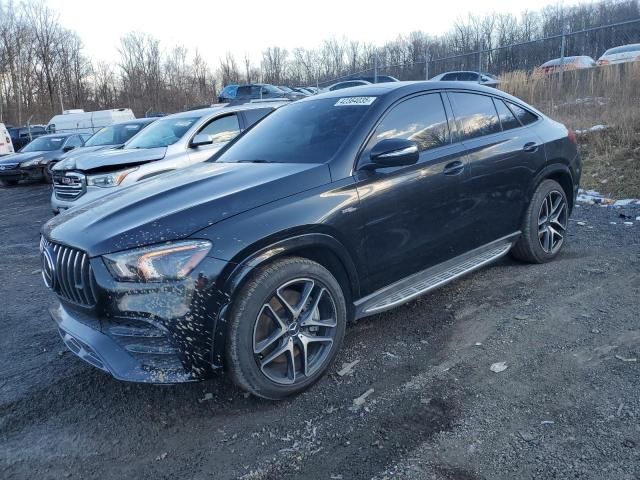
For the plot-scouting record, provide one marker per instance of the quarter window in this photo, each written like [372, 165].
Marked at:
[507, 118]
[421, 119]
[525, 116]
[475, 114]
[223, 129]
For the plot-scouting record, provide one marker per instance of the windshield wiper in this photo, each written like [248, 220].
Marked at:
[255, 161]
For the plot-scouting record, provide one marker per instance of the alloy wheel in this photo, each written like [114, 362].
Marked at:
[295, 331]
[552, 222]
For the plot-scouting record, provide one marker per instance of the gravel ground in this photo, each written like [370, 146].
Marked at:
[566, 406]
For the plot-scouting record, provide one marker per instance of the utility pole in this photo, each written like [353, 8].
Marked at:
[375, 67]
[426, 63]
[563, 45]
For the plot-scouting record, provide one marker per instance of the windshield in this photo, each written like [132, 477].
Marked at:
[162, 133]
[304, 132]
[113, 135]
[285, 89]
[44, 144]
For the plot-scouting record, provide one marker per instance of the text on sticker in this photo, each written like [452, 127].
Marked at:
[355, 101]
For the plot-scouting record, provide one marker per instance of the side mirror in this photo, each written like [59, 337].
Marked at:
[201, 139]
[68, 148]
[394, 152]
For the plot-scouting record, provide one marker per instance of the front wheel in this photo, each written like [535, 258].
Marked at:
[545, 224]
[286, 327]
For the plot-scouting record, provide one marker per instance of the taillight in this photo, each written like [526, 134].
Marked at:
[603, 62]
[572, 137]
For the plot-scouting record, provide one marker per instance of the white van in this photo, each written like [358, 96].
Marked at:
[6, 146]
[79, 121]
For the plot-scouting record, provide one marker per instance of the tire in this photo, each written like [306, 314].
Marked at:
[8, 183]
[255, 312]
[46, 173]
[535, 245]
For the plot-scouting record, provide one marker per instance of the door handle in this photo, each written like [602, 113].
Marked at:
[453, 168]
[530, 147]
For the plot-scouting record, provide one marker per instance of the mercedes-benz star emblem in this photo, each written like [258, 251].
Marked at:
[48, 269]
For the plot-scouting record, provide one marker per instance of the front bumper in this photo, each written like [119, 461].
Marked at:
[21, 173]
[118, 354]
[152, 333]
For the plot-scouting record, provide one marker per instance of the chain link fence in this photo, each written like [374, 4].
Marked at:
[525, 56]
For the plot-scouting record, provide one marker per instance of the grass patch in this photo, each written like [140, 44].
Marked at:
[607, 96]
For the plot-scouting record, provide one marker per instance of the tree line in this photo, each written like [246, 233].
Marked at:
[44, 67]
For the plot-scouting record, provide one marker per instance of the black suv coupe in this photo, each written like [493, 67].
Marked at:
[335, 207]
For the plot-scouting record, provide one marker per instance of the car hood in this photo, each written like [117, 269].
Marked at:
[89, 160]
[84, 150]
[176, 205]
[24, 157]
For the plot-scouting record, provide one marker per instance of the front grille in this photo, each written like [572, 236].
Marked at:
[71, 276]
[69, 186]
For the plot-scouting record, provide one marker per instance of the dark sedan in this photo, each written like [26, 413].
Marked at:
[31, 162]
[333, 208]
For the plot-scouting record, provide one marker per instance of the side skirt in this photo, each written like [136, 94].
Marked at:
[422, 282]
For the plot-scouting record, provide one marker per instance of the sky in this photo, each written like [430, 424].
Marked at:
[249, 26]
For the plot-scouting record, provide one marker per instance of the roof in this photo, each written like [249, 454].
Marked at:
[220, 107]
[381, 89]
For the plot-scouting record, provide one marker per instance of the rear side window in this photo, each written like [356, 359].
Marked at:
[468, 77]
[254, 115]
[244, 91]
[475, 115]
[525, 116]
[421, 119]
[507, 118]
[223, 129]
[450, 76]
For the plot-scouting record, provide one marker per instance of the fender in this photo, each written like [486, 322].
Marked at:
[548, 170]
[288, 246]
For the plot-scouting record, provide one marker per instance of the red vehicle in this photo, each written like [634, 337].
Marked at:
[570, 63]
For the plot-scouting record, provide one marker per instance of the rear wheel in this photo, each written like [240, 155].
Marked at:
[545, 224]
[286, 327]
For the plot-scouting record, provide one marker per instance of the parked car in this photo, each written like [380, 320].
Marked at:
[305, 90]
[345, 84]
[467, 76]
[378, 79]
[6, 145]
[336, 207]
[622, 54]
[263, 91]
[106, 138]
[294, 91]
[228, 94]
[30, 163]
[21, 136]
[570, 63]
[311, 90]
[79, 121]
[170, 143]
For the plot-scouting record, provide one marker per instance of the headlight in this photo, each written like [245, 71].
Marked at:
[173, 261]
[32, 163]
[109, 179]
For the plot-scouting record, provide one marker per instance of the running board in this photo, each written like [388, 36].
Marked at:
[422, 282]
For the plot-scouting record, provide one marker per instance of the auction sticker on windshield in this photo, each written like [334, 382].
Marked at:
[355, 101]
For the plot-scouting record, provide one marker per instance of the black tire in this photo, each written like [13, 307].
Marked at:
[8, 183]
[46, 173]
[529, 247]
[249, 304]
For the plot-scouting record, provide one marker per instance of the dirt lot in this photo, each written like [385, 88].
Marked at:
[567, 406]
